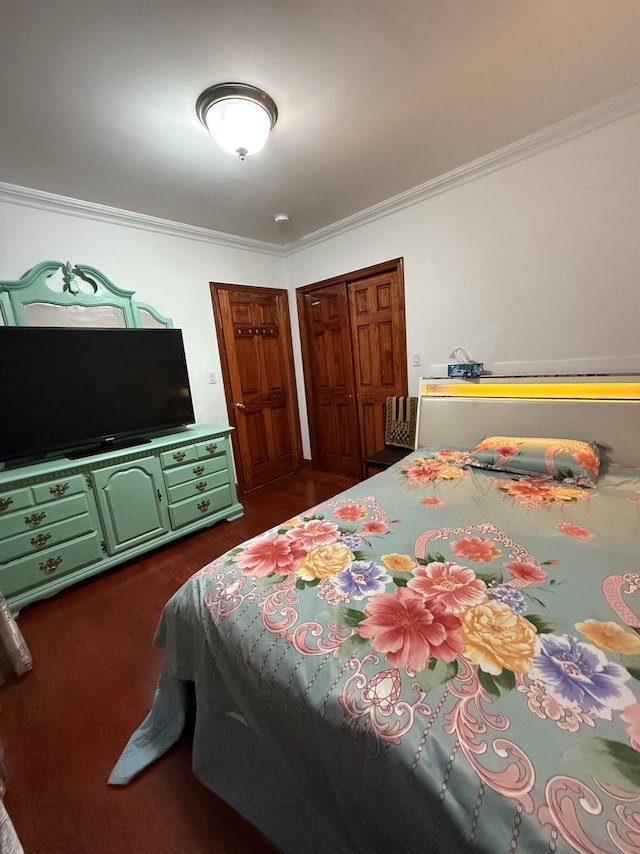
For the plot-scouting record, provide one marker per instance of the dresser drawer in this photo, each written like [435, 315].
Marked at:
[212, 447]
[198, 486]
[198, 470]
[178, 456]
[37, 541]
[49, 564]
[57, 489]
[33, 518]
[15, 499]
[202, 505]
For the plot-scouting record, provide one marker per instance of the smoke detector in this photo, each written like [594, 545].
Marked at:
[280, 218]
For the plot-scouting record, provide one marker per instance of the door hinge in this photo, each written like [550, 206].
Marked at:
[159, 496]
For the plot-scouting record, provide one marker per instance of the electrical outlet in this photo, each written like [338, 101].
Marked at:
[417, 359]
[212, 377]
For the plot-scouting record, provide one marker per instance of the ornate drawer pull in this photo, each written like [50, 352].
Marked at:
[203, 506]
[50, 565]
[59, 489]
[4, 503]
[179, 456]
[41, 540]
[34, 520]
[211, 449]
[198, 470]
[201, 486]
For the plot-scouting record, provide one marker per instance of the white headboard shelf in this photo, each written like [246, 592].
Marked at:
[601, 408]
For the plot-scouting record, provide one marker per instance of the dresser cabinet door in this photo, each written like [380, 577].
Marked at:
[131, 503]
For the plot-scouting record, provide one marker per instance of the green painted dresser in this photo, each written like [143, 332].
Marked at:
[64, 520]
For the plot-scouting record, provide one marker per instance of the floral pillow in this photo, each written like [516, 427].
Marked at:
[565, 460]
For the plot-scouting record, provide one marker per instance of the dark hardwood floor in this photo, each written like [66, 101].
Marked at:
[65, 723]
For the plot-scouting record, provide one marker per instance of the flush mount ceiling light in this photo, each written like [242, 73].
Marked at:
[238, 116]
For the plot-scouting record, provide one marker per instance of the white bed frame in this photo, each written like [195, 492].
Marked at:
[451, 415]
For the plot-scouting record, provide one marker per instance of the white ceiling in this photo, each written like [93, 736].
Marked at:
[97, 99]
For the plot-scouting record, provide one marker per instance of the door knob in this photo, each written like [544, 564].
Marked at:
[239, 405]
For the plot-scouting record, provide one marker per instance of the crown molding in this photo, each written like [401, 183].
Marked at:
[601, 114]
[41, 200]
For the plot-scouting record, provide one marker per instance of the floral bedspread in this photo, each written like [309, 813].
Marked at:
[441, 658]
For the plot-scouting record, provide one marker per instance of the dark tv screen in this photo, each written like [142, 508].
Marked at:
[69, 389]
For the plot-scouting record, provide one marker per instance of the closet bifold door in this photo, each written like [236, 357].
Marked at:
[354, 353]
[329, 369]
[377, 321]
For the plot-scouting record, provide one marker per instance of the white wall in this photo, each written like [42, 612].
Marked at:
[533, 268]
[170, 273]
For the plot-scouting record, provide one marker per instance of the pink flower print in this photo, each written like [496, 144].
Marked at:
[424, 474]
[383, 690]
[279, 554]
[476, 549]
[433, 501]
[454, 457]
[328, 591]
[574, 531]
[432, 466]
[588, 460]
[416, 476]
[316, 532]
[456, 587]
[374, 527]
[526, 571]
[351, 513]
[506, 451]
[408, 630]
[631, 717]
[527, 489]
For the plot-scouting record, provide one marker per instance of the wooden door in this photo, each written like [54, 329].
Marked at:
[354, 356]
[254, 334]
[377, 320]
[329, 370]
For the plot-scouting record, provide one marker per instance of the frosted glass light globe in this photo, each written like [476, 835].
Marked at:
[239, 126]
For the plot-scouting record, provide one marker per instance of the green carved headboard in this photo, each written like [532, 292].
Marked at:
[54, 293]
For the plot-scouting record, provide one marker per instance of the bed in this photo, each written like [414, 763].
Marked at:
[443, 658]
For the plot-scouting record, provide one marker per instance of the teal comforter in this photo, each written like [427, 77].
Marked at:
[441, 658]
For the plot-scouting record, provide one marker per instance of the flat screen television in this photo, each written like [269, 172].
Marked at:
[65, 390]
